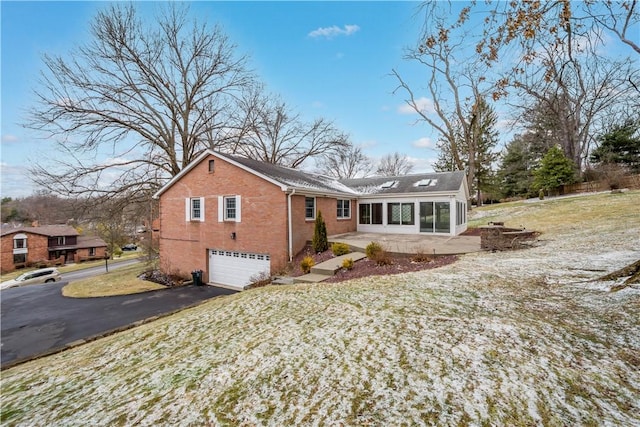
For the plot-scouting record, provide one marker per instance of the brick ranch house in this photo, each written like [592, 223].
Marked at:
[48, 244]
[235, 218]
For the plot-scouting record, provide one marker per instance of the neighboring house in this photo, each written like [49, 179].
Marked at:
[236, 218]
[27, 246]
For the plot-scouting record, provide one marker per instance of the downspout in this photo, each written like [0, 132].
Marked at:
[290, 224]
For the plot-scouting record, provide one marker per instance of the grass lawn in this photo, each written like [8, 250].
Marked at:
[519, 338]
[122, 281]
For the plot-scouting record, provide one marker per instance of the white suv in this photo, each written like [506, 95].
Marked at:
[44, 275]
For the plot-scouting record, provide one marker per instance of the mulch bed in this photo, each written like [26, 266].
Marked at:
[472, 232]
[367, 267]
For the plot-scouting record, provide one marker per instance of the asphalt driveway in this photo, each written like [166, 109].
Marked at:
[37, 319]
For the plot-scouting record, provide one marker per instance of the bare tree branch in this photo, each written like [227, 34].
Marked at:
[151, 98]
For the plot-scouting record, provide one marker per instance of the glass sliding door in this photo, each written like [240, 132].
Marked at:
[443, 217]
[435, 217]
[426, 217]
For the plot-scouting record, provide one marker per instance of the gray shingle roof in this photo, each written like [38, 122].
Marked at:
[432, 183]
[294, 178]
[310, 182]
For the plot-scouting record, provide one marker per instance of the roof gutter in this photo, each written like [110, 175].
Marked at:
[290, 223]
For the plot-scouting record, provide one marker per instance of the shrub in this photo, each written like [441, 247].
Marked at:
[340, 249]
[382, 258]
[319, 241]
[372, 249]
[541, 194]
[259, 280]
[306, 264]
[347, 263]
[421, 256]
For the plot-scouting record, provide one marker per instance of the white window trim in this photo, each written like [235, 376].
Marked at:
[344, 200]
[188, 209]
[222, 209]
[19, 237]
[314, 209]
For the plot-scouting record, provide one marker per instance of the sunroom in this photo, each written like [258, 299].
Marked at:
[428, 203]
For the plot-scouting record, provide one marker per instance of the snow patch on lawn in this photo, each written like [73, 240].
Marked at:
[509, 338]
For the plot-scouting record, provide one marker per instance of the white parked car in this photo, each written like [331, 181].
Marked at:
[44, 275]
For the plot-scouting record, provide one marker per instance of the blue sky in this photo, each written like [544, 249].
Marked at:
[328, 59]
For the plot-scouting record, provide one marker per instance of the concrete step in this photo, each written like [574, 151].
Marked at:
[282, 281]
[310, 278]
[330, 267]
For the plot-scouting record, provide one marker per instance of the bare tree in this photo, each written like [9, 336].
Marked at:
[149, 98]
[350, 162]
[512, 32]
[276, 134]
[394, 164]
[545, 52]
[456, 86]
[577, 89]
[617, 17]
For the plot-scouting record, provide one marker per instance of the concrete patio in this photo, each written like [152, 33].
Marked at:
[411, 243]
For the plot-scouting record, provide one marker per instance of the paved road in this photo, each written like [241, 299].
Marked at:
[96, 271]
[37, 319]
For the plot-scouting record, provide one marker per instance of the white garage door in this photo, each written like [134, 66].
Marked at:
[236, 268]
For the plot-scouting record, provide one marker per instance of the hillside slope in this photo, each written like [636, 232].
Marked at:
[508, 338]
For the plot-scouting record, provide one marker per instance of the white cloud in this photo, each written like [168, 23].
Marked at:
[421, 164]
[9, 138]
[423, 143]
[331, 32]
[424, 104]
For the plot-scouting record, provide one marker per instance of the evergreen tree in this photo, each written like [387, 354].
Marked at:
[486, 142]
[320, 242]
[621, 145]
[515, 173]
[486, 138]
[555, 170]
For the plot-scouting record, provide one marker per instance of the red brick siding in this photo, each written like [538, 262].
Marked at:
[263, 226]
[36, 246]
[82, 254]
[303, 228]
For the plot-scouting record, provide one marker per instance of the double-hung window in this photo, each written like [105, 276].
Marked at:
[344, 209]
[229, 208]
[309, 208]
[194, 209]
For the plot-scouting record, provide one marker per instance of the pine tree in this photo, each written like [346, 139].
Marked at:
[515, 173]
[621, 145]
[320, 242]
[555, 170]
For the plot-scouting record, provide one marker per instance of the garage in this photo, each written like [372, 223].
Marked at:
[236, 269]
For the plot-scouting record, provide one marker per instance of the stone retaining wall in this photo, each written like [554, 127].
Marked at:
[496, 236]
